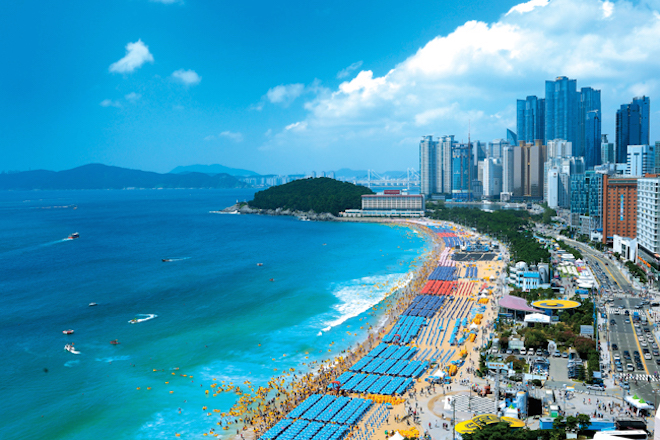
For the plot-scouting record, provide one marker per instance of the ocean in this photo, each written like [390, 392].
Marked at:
[220, 315]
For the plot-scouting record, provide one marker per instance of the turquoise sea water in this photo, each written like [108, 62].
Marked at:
[214, 305]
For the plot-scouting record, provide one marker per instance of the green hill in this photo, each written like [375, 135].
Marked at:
[319, 195]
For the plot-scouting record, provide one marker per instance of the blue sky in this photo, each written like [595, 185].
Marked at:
[296, 86]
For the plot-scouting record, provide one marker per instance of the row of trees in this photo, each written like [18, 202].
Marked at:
[319, 195]
[511, 226]
[560, 426]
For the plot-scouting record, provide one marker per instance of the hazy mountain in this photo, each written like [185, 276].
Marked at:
[97, 176]
[213, 169]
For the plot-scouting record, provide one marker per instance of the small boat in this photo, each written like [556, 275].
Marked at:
[73, 236]
[92, 304]
[147, 317]
[166, 260]
[260, 264]
[70, 348]
[115, 342]
[68, 332]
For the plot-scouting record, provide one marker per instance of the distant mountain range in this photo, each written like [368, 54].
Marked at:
[97, 176]
[213, 169]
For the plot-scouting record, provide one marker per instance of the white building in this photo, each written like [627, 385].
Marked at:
[552, 183]
[507, 169]
[492, 177]
[641, 160]
[648, 214]
[559, 148]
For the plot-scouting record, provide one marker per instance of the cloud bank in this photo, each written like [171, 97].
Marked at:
[136, 55]
[475, 74]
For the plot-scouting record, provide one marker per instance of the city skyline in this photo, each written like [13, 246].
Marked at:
[158, 84]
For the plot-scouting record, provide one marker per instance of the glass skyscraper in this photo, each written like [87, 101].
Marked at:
[561, 110]
[461, 172]
[589, 101]
[632, 126]
[592, 139]
[530, 119]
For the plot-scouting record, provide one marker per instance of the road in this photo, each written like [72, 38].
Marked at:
[603, 264]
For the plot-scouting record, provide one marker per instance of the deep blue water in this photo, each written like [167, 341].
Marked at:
[214, 305]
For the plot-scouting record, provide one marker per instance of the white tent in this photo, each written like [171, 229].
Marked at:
[473, 325]
[537, 317]
[397, 436]
[638, 403]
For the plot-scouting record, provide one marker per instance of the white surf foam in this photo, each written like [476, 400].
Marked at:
[359, 295]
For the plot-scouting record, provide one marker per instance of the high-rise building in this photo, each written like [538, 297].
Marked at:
[511, 137]
[519, 165]
[619, 207]
[559, 148]
[507, 168]
[446, 145]
[632, 126]
[607, 151]
[640, 160]
[495, 148]
[592, 139]
[428, 149]
[657, 157]
[531, 119]
[589, 101]
[535, 170]
[561, 109]
[552, 185]
[461, 172]
[586, 196]
[648, 216]
[492, 177]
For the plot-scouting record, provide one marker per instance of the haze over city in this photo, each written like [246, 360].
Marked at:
[295, 87]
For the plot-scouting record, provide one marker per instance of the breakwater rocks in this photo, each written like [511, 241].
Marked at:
[310, 215]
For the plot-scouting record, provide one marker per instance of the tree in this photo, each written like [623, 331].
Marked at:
[583, 421]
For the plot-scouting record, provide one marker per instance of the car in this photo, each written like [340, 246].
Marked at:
[627, 313]
[655, 304]
[640, 366]
[539, 352]
[656, 353]
[649, 338]
[643, 343]
[647, 330]
[630, 367]
[523, 351]
[636, 353]
[625, 385]
[657, 361]
[612, 322]
[627, 321]
[615, 347]
[619, 368]
[516, 351]
[596, 387]
[564, 355]
[616, 312]
[509, 351]
[647, 356]
[639, 306]
[557, 354]
[636, 325]
[654, 345]
[546, 353]
[645, 350]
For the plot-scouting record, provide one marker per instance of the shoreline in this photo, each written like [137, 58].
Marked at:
[288, 394]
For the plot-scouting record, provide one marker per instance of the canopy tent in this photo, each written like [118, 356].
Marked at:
[397, 436]
[537, 317]
[638, 403]
[473, 326]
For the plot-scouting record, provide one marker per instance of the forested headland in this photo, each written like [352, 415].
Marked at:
[320, 195]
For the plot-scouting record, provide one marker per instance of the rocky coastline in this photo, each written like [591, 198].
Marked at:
[244, 208]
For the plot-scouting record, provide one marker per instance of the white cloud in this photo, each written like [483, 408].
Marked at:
[476, 73]
[234, 136]
[608, 9]
[132, 97]
[343, 73]
[297, 126]
[136, 55]
[110, 103]
[528, 7]
[187, 77]
[285, 94]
